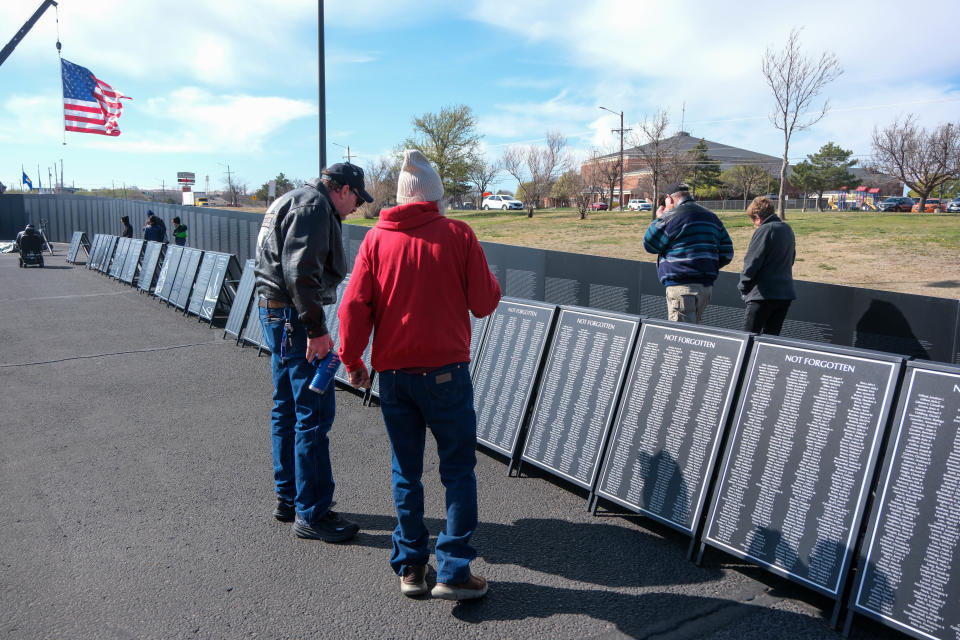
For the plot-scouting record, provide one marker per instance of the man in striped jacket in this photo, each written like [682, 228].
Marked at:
[692, 245]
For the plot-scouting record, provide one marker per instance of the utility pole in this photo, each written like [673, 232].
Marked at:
[620, 131]
[344, 147]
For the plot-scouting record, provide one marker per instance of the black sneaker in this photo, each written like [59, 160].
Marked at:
[330, 528]
[285, 511]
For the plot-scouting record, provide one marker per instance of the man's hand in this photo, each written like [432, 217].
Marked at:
[359, 379]
[319, 347]
[660, 211]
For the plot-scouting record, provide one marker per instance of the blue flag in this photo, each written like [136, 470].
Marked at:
[26, 180]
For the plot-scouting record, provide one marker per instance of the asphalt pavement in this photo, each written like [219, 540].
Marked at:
[136, 496]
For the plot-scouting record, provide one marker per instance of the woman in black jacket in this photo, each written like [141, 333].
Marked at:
[766, 282]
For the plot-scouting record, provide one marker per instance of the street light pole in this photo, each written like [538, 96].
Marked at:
[620, 130]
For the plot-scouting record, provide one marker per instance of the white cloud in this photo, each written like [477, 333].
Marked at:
[705, 57]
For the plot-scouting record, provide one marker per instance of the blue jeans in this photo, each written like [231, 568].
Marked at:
[299, 422]
[442, 401]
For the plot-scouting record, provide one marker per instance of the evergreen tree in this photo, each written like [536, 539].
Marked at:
[825, 170]
[283, 185]
[704, 173]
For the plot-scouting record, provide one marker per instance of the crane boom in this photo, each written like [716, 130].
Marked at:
[7, 50]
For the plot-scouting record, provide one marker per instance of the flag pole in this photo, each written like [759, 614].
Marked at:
[62, 96]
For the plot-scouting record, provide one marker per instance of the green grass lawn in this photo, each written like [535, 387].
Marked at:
[615, 233]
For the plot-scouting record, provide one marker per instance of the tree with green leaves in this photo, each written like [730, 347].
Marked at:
[745, 179]
[283, 185]
[703, 173]
[824, 170]
[450, 141]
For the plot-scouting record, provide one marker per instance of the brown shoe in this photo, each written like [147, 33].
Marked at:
[475, 587]
[413, 581]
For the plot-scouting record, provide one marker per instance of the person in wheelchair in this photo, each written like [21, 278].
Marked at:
[30, 244]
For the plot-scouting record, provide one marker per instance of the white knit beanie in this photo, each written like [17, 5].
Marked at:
[418, 180]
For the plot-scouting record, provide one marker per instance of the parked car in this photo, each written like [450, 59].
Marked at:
[954, 206]
[896, 203]
[599, 206]
[932, 205]
[501, 202]
[639, 205]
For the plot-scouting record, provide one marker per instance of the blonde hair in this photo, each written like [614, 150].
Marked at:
[761, 208]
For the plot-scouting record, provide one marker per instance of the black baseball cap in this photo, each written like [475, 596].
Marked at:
[675, 187]
[350, 175]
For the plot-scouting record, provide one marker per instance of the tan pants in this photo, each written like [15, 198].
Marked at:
[686, 302]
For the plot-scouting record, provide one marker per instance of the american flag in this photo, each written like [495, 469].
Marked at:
[89, 105]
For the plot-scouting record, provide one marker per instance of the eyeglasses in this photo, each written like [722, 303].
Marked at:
[356, 195]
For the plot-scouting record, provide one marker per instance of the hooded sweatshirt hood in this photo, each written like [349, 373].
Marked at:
[408, 216]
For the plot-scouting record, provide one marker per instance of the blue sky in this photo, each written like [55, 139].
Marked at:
[234, 82]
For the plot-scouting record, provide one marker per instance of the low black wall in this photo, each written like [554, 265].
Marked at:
[920, 326]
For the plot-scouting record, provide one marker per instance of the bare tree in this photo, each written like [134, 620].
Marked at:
[235, 188]
[545, 163]
[922, 160]
[745, 179]
[542, 163]
[658, 151]
[513, 163]
[605, 170]
[380, 179]
[796, 81]
[481, 174]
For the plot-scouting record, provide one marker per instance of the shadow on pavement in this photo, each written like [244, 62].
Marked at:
[602, 554]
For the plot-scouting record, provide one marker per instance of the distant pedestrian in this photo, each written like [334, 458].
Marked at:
[766, 282]
[179, 232]
[692, 245]
[152, 230]
[126, 230]
[416, 278]
[163, 229]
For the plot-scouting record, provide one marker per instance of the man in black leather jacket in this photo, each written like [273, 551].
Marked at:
[300, 262]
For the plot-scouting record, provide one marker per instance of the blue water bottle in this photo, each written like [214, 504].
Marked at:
[326, 369]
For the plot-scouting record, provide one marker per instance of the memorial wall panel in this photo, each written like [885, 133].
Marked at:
[119, 257]
[151, 257]
[219, 287]
[192, 257]
[800, 457]
[168, 271]
[108, 254]
[202, 281]
[582, 379]
[671, 421]
[75, 243]
[94, 250]
[519, 270]
[582, 280]
[503, 379]
[478, 327]
[133, 261]
[253, 330]
[241, 302]
[909, 568]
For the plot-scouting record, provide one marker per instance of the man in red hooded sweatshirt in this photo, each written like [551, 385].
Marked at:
[415, 280]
